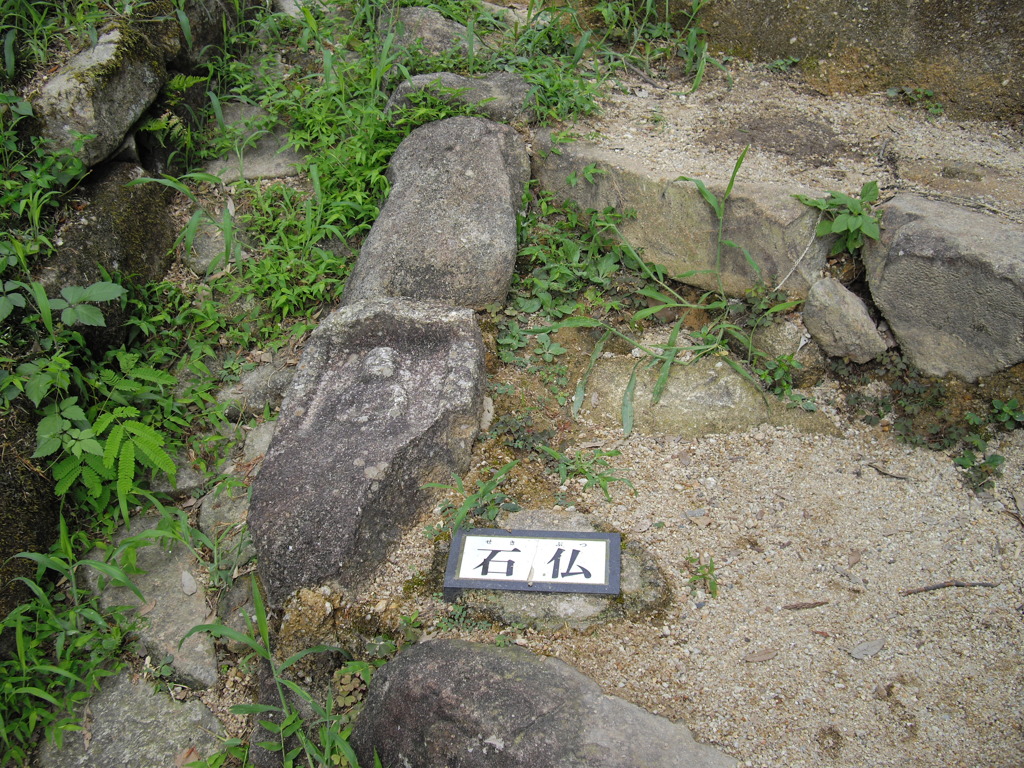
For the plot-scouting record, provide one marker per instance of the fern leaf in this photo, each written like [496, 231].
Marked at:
[154, 376]
[67, 480]
[61, 468]
[125, 474]
[92, 482]
[95, 463]
[113, 445]
[150, 442]
[144, 432]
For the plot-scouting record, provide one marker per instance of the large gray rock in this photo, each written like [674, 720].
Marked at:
[429, 29]
[102, 91]
[449, 702]
[133, 725]
[501, 96]
[448, 230]
[387, 397]
[950, 283]
[839, 321]
[676, 228]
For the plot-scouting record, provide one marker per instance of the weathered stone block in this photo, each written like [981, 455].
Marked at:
[950, 283]
[427, 28]
[450, 702]
[676, 228]
[706, 396]
[387, 397]
[131, 724]
[839, 321]
[448, 230]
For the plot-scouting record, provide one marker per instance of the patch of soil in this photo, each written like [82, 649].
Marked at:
[800, 136]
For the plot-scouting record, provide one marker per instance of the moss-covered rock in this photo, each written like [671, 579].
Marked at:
[28, 506]
[100, 93]
[120, 229]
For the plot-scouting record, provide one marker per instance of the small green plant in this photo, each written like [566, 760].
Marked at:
[917, 97]
[458, 619]
[1008, 413]
[702, 573]
[485, 503]
[980, 467]
[517, 430]
[851, 219]
[64, 643]
[784, 64]
[324, 741]
[776, 374]
[590, 465]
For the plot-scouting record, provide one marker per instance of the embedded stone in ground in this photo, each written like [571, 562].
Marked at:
[450, 702]
[133, 725]
[703, 397]
[262, 151]
[171, 610]
[387, 397]
[950, 283]
[448, 230]
[501, 96]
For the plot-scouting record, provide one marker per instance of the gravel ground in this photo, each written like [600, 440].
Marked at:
[811, 654]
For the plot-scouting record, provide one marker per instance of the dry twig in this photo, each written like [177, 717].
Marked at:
[945, 584]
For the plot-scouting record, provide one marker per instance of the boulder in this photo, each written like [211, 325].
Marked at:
[839, 321]
[950, 283]
[676, 227]
[101, 91]
[449, 702]
[429, 29]
[502, 96]
[387, 397]
[131, 724]
[448, 229]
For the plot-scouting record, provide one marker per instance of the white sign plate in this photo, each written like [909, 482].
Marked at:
[539, 561]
